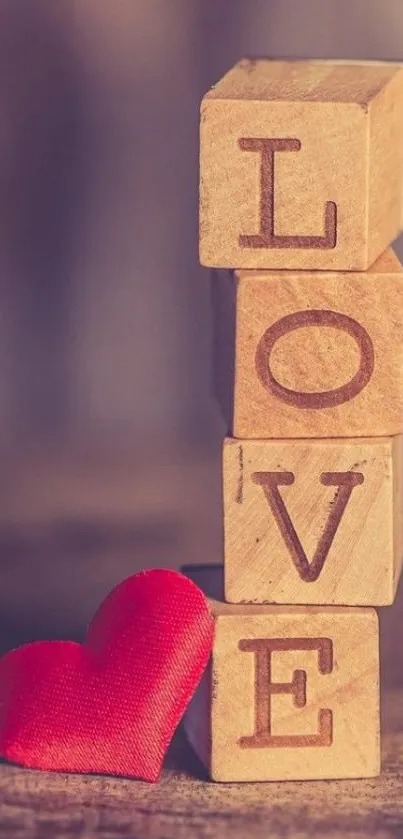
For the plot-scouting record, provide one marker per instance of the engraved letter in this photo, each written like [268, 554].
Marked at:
[326, 398]
[270, 482]
[267, 237]
[265, 689]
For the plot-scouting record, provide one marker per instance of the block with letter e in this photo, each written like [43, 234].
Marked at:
[301, 165]
[292, 693]
[310, 354]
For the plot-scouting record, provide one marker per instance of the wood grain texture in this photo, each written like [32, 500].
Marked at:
[313, 521]
[313, 354]
[289, 694]
[75, 522]
[301, 165]
[51, 498]
[185, 805]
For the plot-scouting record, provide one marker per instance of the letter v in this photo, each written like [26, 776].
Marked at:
[270, 483]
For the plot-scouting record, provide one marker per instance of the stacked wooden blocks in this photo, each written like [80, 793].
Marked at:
[301, 188]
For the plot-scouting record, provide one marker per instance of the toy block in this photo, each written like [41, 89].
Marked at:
[313, 521]
[292, 693]
[317, 354]
[301, 165]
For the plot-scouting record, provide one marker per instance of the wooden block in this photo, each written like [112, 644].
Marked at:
[312, 354]
[301, 165]
[313, 521]
[292, 693]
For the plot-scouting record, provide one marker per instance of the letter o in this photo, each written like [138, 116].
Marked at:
[327, 398]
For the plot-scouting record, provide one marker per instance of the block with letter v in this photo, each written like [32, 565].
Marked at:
[312, 521]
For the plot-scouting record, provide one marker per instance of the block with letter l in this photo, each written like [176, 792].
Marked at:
[310, 354]
[292, 693]
[301, 165]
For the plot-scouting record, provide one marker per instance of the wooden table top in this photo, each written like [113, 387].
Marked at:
[184, 805]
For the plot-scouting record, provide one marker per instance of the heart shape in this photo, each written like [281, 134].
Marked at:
[110, 705]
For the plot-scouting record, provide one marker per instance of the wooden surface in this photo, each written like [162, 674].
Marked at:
[72, 523]
[316, 354]
[301, 165]
[285, 694]
[185, 806]
[313, 521]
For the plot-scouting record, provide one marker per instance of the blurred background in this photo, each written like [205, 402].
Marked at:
[109, 437]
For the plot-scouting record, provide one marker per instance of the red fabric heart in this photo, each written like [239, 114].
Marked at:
[111, 705]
